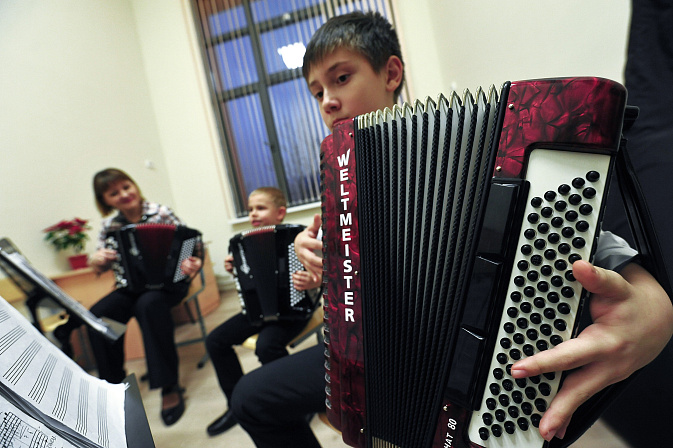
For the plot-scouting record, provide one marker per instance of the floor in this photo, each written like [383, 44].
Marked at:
[205, 401]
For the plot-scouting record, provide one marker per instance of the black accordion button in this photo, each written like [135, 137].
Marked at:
[563, 308]
[560, 206]
[528, 350]
[541, 404]
[527, 408]
[508, 385]
[498, 373]
[557, 221]
[546, 212]
[515, 296]
[579, 242]
[521, 382]
[545, 329]
[513, 411]
[494, 388]
[487, 419]
[549, 375]
[514, 354]
[571, 215]
[545, 389]
[518, 338]
[491, 403]
[574, 257]
[550, 195]
[539, 244]
[536, 201]
[569, 276]
[543, 286]
[508, 327]
[593, 176]
[546, 270]
[497, 430]
[589, 192]
[519, 280]
[522, 323]
[560, 265]
[529, 234]
[550, 254]
[567, 232]
[560, 325]
[500, 415]
[512, 312]
[526, 249]
[564, 248]
[575, 199]
[535, 420]
[554, 238]
[567, 292]
[523, 424]
[543, 227]
[541, 345]
[532, 334]
[555, 340]
[522, 265]
[582, 226]
[564, 189]
[509, 427]
[526, 307]
[536, 260]
[502, 359]
[549, 313]
[503, 399]
[535, 379]
[533, 218]
[536, 318]
[506, 344]
[586, 209]
[531, 393]
[578, 182]
[539, 301]
[529, 291]
[532, 276]
[557, 281]
[483, 434]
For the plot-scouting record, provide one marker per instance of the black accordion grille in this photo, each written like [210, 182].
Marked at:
[423, 172]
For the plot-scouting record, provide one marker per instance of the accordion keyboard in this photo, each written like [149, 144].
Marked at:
[560, 226]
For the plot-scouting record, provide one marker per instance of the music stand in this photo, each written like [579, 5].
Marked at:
[38, 287]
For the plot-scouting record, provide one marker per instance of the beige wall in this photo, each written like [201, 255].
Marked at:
[85, 85]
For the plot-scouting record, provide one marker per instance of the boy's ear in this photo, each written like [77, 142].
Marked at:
[394, 72]
[282, 211]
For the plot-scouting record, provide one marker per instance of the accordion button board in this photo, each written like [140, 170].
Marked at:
[559, 227]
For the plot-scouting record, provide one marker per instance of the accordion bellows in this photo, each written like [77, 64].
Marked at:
[450, 228]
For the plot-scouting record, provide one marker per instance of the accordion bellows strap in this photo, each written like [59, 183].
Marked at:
[450, 229]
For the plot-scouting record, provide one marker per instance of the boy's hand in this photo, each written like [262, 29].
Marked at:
[303, 280]
[632, 322]
[306, 245]
[229, 263]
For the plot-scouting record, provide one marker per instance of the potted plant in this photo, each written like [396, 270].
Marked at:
[70, 235]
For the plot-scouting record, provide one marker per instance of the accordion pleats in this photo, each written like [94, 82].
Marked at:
[420, 206]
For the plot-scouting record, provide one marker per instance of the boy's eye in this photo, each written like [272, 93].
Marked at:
[343, 78]
[318, 95]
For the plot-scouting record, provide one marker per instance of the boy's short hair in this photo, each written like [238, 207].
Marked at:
[276, 196]
[369, 34]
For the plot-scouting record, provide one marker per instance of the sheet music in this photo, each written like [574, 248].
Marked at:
[39, 380]
[19, 430]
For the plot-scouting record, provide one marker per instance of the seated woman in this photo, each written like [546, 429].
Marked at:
[116, 191]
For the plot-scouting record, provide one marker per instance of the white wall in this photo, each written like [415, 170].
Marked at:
[89, 84]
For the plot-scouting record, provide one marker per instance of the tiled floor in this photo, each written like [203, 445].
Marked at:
[205, 401]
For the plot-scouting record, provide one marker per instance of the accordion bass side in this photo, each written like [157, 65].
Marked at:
[149, 256]
[450, 229]
[265, 260]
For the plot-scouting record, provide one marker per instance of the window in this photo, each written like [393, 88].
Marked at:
[270, 127]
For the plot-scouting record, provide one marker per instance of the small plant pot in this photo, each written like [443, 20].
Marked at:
[78, 261]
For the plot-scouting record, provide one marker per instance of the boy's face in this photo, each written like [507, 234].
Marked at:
[263, 212]
[346, 85]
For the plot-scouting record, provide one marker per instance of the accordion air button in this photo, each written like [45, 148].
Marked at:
[536, 201]
[593, 176]
[564, 189]
[509, 426]
[550, 195]
[578, 182]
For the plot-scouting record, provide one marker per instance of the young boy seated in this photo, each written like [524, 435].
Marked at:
[353, 65]
[266, 207]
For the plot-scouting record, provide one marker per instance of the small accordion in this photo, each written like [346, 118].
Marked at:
[264, 260]
[149, 256]
[450, 230]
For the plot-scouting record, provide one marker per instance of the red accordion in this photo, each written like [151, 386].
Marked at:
[450, 229]
[149, 256]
